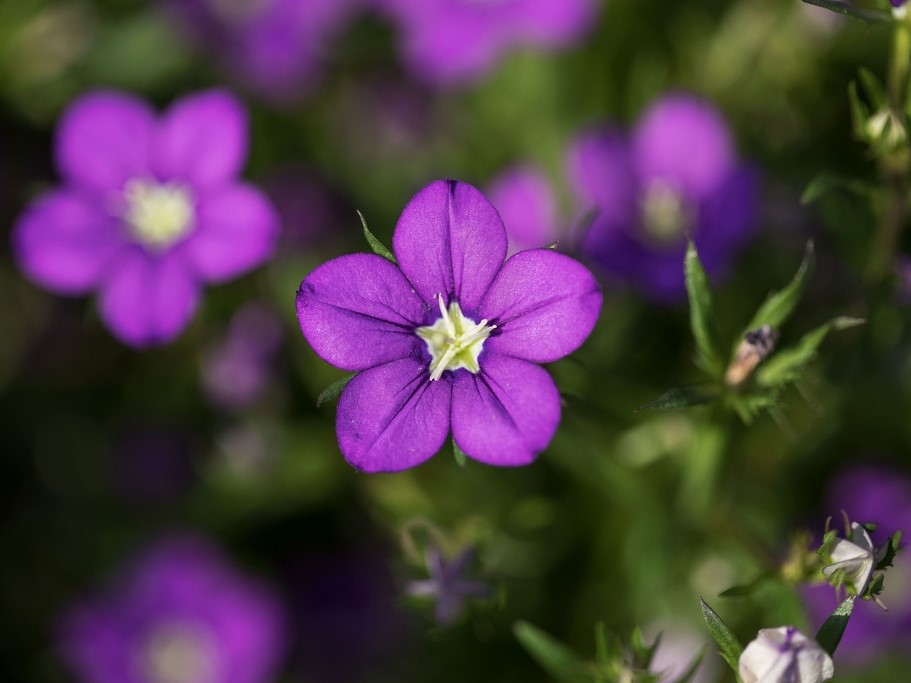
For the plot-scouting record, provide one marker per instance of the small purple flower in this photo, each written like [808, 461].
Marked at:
[448, 337]
[524, 199]
[458, 41]
[447, 585]
[676, 175]
[181, 614]
[150, 210]
[275, 47]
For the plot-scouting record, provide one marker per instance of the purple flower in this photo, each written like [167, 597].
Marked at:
[676, 174]
[883, 496]
[275, 47]
[447, 585]
[458, 41]
[150, 210]
[180, 614]
[449, 337]
[524, 199]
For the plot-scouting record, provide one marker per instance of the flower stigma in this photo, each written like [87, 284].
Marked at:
[157, 214]
[664, 213]
[179, 653]
[454, 341]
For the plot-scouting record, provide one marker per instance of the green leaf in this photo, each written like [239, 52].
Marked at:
[873, 88]
[701, 319]
[830, 632]
[870, 15]
[642, 652]
[460, 457]
[860, 113]
[378, 247]
[334, 390]
[785, 366]
[556, 659]
[826, 182]
[892, 547]
[680, 397]
[724, 637]
[747, 588]
[779, 305]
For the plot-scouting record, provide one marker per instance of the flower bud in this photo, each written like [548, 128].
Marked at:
[784, 655]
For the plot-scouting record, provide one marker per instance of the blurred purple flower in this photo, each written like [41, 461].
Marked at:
[447, 585]
[277, 48]
[450, 336]
[676, 174]
[150, 210]
[523, 196]
[237, 372]
[458, 41]
[180, 614]
[881, 495]
[314, 213]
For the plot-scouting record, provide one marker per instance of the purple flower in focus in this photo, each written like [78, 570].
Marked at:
[883, 496]
[523, 197]
[449, 337]
[275, 47]
[458, 41]
[447, 585]
[676, 174]
[181, 614]
[150, 210]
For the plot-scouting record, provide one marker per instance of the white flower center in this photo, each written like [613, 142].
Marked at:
[158, 214]
[454, 341]
[664, 213]
[178, 652]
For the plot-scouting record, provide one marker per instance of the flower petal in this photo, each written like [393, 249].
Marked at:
[545, 305]
[393, 417]
[450, 240]
[148, 300]
[203, 139]
[358, 311]
[600, 172]
[236, 230]
[64, 241]
[104, 139]
[507, 413]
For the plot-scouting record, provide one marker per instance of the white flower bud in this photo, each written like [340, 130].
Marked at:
[784, 655]
[855, 557]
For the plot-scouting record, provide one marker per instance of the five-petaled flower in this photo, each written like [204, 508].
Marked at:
[447, 585]
[784, 655]
[150, 210]
[853, 559]
[449, 336]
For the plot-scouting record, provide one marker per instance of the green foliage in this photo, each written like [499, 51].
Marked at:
[702, 322]
[892, 547]
[777, 308]
[556, 659]
[830, 633]
[857, 10]
[378, 247]
[730, 647]
[680, 397]
[459, 455]
[334, 390]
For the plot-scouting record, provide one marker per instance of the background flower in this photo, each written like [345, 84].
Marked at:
[523, 196]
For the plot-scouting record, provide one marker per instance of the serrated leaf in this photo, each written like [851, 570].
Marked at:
[690, 673]
[459, 455]
[829, 634]
[777, 308]
[680, 397]
[556, 659]
[723, 636]
[785, 366]
[702, 321]
[892, 547]
[747, 588]
[334, 390]
[825, 183]
[870, 15]
[378, 247]
[872, 87]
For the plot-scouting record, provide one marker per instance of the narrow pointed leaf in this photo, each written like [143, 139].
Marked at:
[747, 588]
[723, 636]
[680, 397]
[702, 320]
[556, 659]
[868, 14]
[860, 113]
[460, 457]
[892, 547]
[833, 628]
[378, 247]
[334, 390]
[825, 183]
[778, 307]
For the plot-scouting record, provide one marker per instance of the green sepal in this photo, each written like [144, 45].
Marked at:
[642, 652]
[860, 113]
[779, 305]
[702, 322]
[826, 182]
[785, 365]
[459, 455]
[892, 547]
[829, 634]
[680, 397]
[334, 390]
[723, 636]
[869, 14]
[874, 90]
[378, 247]
[561, 663]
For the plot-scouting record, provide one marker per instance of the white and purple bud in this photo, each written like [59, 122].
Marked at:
[854, 559]
[784, 655]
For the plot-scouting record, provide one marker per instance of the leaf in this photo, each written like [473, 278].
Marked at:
[860, 113]
[747, 588]
[870, 15]
[680, 397]
[779, 305]
[724, 637]
[829, 634]
[460, 457]
[378, 247]
[642, 652]
[892, 547]
[826, 182]
[334, 390]
[785, 366]
[556, 659]
[701, 320]
[873, 88]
